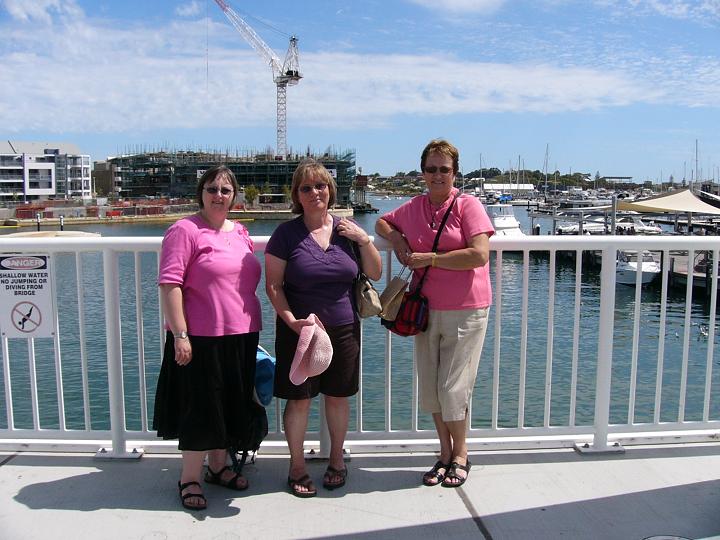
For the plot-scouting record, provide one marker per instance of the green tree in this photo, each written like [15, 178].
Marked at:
[288, 193]
[251, 192]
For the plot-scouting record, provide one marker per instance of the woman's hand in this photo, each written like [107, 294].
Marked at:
[297, 325]
[183, 351]
[420, 260]
[352, 231]
[401, 248]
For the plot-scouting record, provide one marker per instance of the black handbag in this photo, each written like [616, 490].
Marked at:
[412, 317]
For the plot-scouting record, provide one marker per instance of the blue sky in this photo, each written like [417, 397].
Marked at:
[619, 87]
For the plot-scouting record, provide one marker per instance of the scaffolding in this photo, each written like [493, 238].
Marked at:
[174, 173]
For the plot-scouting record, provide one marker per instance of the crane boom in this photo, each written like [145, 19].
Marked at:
[251, 37]
[284, 74]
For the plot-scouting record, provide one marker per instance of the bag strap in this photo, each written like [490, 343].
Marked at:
[436, 242]
[356, 253]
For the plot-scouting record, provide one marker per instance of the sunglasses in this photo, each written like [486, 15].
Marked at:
[433, 169]
[307, 188]
[212, 190]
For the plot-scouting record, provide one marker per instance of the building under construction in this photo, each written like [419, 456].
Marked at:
[175, 173]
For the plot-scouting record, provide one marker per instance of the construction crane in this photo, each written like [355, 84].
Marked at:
[285, 74]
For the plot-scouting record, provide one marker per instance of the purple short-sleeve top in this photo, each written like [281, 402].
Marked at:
[316, 281]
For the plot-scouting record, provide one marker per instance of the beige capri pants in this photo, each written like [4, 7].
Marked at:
[448, 356]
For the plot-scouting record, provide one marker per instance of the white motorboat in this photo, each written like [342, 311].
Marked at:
[635, 225]
[623, 225]
[627, 267]
[504, 220]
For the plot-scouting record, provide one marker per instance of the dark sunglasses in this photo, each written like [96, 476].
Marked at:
[307, 188]
[212, 190]
[433, 169]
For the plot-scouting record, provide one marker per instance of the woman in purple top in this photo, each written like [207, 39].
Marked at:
[310, 268]
[208, 277]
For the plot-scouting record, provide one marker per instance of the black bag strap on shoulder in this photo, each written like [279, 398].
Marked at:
[436, 242]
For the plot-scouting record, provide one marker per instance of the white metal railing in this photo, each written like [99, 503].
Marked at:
[547, 376]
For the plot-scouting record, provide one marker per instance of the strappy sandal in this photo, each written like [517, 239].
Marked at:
[186, 496]
[212, 477]
[434, 477]
[331, 472]
[303, 481]
[452, 474]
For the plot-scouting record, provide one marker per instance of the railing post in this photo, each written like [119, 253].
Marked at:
[604, 361]
[114, 360]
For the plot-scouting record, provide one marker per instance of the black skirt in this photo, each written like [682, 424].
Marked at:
[205, 404]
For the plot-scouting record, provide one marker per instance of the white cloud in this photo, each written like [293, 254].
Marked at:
[40, 10]
[86, 78]
[190, 9]
[461, 6]
[698, 10]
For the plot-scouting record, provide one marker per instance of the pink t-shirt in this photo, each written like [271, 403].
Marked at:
[418, 220]
[218, 273]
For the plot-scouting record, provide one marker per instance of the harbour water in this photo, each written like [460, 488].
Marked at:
[373, 346]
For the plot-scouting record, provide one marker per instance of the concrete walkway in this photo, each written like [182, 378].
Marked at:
[511, 495]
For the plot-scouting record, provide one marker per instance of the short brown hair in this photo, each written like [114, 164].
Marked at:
[443, 147]
[311, 168]
[210, 175]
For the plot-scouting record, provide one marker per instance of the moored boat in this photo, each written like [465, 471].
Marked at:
[504, 220]
[629, 263]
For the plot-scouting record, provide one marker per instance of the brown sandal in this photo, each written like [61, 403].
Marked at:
[186, 496]
[212, 477]
[453, 475]
[331, 472]
[303, 481]
[435, 474]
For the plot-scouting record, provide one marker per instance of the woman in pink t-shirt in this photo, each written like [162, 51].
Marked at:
[208, 277]
[458, 290]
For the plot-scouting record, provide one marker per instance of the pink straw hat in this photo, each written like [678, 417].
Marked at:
[313, 353]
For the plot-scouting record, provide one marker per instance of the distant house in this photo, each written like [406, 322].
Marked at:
[43, 170]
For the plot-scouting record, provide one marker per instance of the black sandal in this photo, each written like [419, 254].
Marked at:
[184, 498]
[331, 472]
[212, 477]
[452, 474]
[303, 481]
[435, 474]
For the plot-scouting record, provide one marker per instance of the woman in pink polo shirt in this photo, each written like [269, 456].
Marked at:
[208, 277]
[459, 295]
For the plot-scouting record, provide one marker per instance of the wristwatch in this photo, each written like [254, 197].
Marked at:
[182, 335]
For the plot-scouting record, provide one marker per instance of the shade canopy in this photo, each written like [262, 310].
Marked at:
[676, 201]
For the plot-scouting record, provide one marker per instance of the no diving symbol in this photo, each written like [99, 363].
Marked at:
[26, 317]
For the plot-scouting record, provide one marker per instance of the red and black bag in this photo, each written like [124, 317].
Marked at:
[412, 317]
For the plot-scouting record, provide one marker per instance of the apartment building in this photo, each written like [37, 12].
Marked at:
[43, 170]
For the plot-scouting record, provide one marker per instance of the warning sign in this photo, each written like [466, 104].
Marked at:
[26, 296]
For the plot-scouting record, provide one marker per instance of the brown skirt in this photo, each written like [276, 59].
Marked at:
[340, 379]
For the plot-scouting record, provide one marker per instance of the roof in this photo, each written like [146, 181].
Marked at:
[675, 201]
[508, 187]
[37, 148]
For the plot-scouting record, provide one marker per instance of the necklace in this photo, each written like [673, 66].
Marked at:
[433, 214]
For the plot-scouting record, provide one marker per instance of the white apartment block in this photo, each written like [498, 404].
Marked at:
[38, 171]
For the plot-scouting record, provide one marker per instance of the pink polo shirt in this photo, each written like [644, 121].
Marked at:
[418, 220]
[218, 273]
